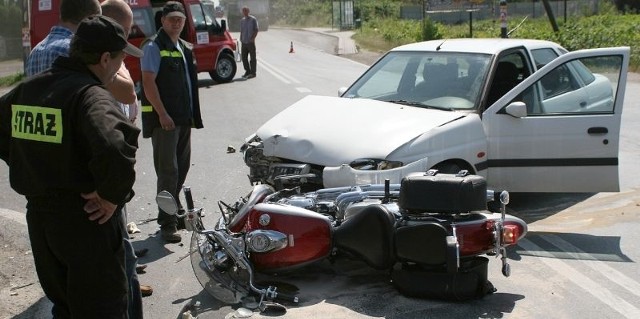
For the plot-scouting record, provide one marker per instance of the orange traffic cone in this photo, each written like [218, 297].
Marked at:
[291, 48]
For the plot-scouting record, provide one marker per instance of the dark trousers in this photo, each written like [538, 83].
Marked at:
[80, 263]
[134, 298]
[249, 50]
[171, 158]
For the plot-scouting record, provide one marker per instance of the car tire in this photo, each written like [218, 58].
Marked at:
[448, 168]
[225, 69]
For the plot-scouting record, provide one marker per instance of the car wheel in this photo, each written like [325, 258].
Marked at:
[448, 168]
[225, 69]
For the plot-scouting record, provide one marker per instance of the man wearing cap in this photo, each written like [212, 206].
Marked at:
[56, 43]
[170, 107]
[71, 153]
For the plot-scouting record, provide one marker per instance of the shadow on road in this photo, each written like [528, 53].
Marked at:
[532, 207]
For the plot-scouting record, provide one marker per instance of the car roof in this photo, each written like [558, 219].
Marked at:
[491, 46]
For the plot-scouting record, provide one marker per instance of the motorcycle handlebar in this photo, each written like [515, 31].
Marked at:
[188, 197]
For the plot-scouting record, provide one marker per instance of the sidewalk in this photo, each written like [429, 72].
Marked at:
[7, 68]
[346, 45]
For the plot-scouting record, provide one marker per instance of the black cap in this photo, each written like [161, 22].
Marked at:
[101, 34]
[173, 9]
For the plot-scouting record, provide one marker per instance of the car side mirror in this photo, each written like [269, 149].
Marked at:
[517, 109]
[167, 203]
[223, 25]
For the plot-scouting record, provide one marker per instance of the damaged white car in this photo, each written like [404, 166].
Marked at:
[526, 114]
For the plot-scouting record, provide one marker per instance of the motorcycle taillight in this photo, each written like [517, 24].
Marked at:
[510, 234]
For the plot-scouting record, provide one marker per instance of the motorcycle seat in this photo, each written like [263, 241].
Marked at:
[368, 235]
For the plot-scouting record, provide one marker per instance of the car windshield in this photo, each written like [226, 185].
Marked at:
[449, 81]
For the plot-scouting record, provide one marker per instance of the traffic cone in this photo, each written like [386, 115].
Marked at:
[291, 48]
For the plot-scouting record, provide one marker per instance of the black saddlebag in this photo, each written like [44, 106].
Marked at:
[432, 192]
[470, 282]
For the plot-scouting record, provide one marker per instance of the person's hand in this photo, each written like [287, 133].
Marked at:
[166, 122]
[98, 208]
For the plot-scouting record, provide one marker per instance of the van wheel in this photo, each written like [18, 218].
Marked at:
[225, 69]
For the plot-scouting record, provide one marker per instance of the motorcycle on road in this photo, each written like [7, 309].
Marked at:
[432, 232]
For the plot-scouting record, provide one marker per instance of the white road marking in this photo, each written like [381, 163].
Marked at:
[589, 260]
[603, 294]
[282, 76]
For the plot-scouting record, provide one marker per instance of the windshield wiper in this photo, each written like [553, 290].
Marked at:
[405, 102]
[443, 108]
[419, 104]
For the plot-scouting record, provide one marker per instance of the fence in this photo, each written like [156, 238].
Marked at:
[456, 12]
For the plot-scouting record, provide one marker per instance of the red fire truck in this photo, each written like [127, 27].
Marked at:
[213, 46]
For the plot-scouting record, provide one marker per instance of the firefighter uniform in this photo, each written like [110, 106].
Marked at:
[62, 134]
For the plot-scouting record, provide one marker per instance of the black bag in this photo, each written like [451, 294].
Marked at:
[470, 282]
[443, 193]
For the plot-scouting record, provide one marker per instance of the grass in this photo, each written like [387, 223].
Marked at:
[11, 80]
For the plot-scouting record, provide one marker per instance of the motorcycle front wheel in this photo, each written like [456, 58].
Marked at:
[225, 285]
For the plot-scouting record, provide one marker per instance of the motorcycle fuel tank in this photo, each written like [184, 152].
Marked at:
[307, 233]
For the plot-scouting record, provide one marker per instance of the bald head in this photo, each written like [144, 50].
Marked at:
[120, 11]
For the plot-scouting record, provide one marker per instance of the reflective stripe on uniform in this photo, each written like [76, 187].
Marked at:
[171, 54]
[36, 123]
[147, 108]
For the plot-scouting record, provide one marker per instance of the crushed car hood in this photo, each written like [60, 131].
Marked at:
[331, 131]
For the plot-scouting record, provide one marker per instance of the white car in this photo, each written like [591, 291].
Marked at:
[526, 114]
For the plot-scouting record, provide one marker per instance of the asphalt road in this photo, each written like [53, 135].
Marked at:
[578, 260]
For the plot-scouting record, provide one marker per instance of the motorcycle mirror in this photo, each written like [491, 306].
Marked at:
[272, 309]
[167, 203]
[504, 197]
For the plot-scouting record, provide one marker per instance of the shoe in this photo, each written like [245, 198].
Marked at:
[141, 252]
[170, 234]
[180, 224]
[251, 76]
[246, 75]
[146, 290]
[140, 269]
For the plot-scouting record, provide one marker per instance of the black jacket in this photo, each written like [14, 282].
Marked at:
[62, 134]
[173, 88]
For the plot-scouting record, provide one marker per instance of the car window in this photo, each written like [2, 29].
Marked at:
[510, 70]
[557, 82]
[143, 25]
[583, 72]
[425, 79]
[562, 92]
[543, 56]
[199, 21]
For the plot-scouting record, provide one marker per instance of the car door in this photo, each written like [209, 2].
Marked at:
[533, 148]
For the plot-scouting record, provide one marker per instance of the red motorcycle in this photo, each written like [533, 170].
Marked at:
[432, 232]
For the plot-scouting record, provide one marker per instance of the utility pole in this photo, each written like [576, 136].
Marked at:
[503, 19]
[552, 18]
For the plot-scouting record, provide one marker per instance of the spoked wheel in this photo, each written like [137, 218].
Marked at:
[225, 282]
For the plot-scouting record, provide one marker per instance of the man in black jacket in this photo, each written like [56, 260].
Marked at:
[170, 107]
[71, 153]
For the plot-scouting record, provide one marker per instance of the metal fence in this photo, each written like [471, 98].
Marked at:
[457, 11]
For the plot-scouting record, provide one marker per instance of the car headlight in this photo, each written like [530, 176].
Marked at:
[374, 164]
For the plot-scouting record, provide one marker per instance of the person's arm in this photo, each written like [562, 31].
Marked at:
[255, 30]
[153, 96]
[122, 87]
[150, 65]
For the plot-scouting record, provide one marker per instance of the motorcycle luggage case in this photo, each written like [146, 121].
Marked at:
[469, 282]
[443, 193]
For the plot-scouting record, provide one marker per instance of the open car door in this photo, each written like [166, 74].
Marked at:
[559, 130]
